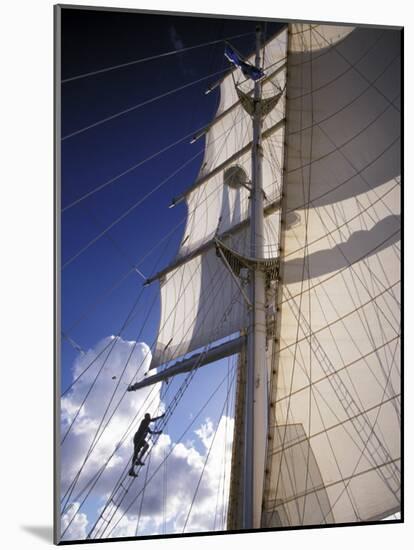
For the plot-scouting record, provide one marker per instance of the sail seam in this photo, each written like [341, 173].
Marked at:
[360, 358]
[337, 320]
[267, 133]
[334, 426]
[270, 208]
[338, 227]
[292, 297]
[347, 180]
[346, 400]
[340, 75]
[373, 452]
[361, 74]
[332, 484]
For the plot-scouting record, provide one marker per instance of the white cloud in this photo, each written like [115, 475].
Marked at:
[123, 362]
[180, 477]
[168, 496]
[77, 528]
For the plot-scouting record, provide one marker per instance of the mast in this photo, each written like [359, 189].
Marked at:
[256, 415]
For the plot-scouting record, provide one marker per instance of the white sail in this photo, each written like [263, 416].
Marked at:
[229, 134]
[334, 455]
[200, 301]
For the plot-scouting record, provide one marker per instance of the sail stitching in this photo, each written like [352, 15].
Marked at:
[342, 317]
[294, 361]
[339, 76]
[347, 479]
[345, 366]
[386, 466]
[370, 294]
[347, 180]
[345, 398]
[361, 74]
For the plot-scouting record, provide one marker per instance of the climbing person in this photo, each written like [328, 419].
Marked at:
[140, 444]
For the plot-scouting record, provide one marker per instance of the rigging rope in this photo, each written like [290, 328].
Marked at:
[105, 411]
[305, 248]
[137, 203]
[187, 381]
[95, 478]
[169, 411]
[311, 334]
[96, 439]
[152, 57]
[123, 278]
[114, 341]
[341, 319]
[131, 169]
[344, 396]
[181, 437]
[129, 210]
[361, 456]
[234, 300]
[360, 73]
[199, 203]
[109, 290]
[92, 482]
[208, 454]
[139, 105]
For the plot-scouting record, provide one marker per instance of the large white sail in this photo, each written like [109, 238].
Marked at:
[200, 300]
[334, 451]
[334, 436]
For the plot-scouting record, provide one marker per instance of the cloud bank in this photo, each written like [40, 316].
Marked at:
[174, 471]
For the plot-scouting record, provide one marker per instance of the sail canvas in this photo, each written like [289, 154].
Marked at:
[229, 258]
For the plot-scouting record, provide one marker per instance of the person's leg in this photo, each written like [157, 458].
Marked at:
[134, 456]
[137, 448]
[144, 449]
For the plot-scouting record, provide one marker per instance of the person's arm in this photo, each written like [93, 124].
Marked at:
[155, 433]
[157, 417]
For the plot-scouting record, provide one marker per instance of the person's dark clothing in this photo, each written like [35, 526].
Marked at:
[140, 445]
[142, 430]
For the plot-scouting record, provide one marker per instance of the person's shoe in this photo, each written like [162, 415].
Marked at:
[132, 473]
[139, 463]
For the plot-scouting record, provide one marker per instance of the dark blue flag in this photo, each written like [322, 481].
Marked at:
[249, 71]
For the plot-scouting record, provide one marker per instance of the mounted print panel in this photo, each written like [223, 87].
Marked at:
[228, 268]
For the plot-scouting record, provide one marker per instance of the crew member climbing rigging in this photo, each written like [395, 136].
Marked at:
[140, 444]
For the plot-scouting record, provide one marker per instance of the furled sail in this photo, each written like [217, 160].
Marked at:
[334, 440]
[200, 300]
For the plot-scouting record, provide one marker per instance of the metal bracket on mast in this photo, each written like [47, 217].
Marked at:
[266, 105]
